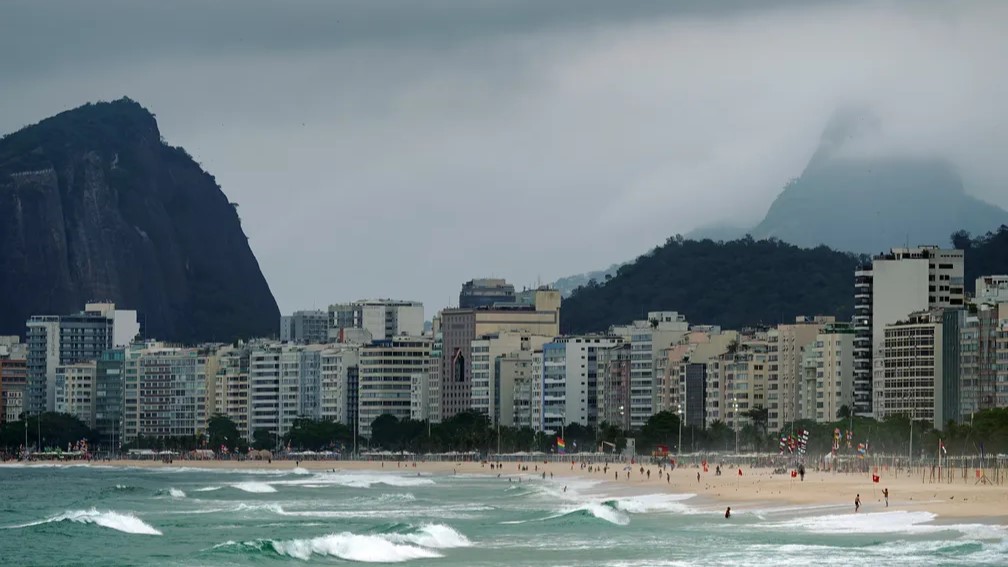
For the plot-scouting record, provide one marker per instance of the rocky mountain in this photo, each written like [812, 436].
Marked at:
[853, 201]
[735, 284]
[94, 205]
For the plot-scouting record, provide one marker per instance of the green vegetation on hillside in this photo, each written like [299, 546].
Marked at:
[985, 255]
[734, 284]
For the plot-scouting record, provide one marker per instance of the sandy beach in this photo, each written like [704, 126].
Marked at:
[756, 488]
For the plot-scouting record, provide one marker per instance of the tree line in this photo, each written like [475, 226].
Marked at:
[986, 431]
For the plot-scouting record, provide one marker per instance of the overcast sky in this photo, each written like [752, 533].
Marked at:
[397, 149]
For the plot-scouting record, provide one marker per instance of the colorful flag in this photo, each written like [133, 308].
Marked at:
[941, 445]
[561, 446]
[875, 478]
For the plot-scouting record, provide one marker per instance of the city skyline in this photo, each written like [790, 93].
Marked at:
[394, 136]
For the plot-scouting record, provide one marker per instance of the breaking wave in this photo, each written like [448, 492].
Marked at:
[176, 493]
[126, 523]
[254, 487]
[372, 548]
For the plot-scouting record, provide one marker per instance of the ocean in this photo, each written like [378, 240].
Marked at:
[78, 515]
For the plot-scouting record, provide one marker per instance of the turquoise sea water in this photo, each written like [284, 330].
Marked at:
[125, 516]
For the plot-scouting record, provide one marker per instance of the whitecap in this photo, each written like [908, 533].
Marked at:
[598, 510]
[348, 546]
[254, 487]
[118, 521]
[432, 535]
[208, 489]
[359, 480]
[653, 503]
[176, 493]
[896, 521]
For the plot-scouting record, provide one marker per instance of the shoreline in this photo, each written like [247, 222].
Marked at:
[756, 489]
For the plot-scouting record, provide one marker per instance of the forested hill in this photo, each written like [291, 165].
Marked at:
[734, 284]
[984, 255]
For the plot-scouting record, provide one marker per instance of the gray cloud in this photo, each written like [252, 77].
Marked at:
[397, 149]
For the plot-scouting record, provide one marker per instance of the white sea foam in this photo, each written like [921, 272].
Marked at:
[653, 503]
[596, 509]
[357, 480]
[176, 493]
[432, 535]
[118, 521]
[208, 489]
[254, 487]
[352, 547]
[300, 470]
[268, 507]
[896, 521]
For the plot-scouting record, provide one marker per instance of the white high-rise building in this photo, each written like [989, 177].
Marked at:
[571, 381]
[648, 340]
[380, 318]
[338, 391]
[832, 357]
[231, 386]
[787, 344]
[904, 281]
[164, 392]
[487, 389]
[75, 391]
[387, 372]
[55, 340]
[284, 383]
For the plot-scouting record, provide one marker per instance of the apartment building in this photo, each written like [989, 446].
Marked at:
[903, 281]
[459, 327]
[388, 369]
[917, 370]
[648, 340]
[164, 391]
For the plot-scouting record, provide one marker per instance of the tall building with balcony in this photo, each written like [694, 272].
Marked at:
[787, 344]
[648, 340]
[55, 340]
[832, 356]
[13, 382]
[898, 283]
[338, 388]
[75, 391]
[614, 386]
[487, 388]
[164, 391]
[570, 380]
[283, 385]
[388, 370]
[917, 372]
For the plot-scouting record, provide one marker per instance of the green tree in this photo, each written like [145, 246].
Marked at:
[661, 428]
[263, 438]
[223, 432]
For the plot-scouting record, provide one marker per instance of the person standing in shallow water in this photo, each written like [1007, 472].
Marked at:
[727, 513]
[857, 503]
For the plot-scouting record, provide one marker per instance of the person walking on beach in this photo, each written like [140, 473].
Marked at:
[885, 492]
[698, 477]
[857, 503]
